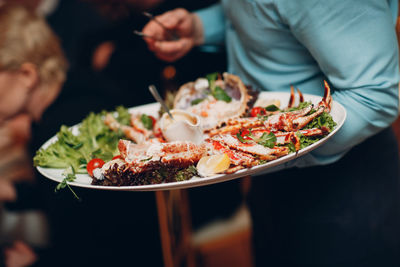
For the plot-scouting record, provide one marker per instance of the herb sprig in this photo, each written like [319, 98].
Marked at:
[69, 175]
[216, 91]
[266, 139]
[147, 121]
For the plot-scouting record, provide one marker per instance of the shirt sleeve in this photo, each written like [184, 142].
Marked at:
[213, 20]
[354, 44]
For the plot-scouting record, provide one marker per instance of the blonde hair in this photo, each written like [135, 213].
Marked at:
[25, 37]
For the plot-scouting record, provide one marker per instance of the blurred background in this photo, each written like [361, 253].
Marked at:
[100, 64]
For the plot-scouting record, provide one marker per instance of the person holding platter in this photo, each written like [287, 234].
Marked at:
[339, 204]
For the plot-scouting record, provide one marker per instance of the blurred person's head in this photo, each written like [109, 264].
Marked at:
[32, 64]
[119, 9]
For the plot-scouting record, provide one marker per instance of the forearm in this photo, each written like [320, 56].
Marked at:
[359, 57]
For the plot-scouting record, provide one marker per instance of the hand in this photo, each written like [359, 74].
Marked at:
[20, 128]
[7, 191]
[102, 55]
[19, 255]
[186, 25]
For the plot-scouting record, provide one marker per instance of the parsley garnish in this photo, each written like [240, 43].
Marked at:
[147, 121]
[324, 120]
[69, 177]
[266, 139]
[241, 139]
[300, 106]
[216, 91]
[186, 174]
[272, 108]
[212, 77]
[291, 147]
[219, 94]
[197, 101]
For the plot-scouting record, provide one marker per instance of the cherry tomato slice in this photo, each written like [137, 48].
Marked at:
[94, 164]
[245, 134]
[257, 110]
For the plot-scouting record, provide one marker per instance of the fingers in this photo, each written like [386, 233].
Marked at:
[171, 47]
[7, 191]
[174, 50]
[178, 20]
[19, 254]
[169, 21]
[172, 19]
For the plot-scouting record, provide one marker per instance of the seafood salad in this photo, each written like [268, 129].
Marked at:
[214, 99]
[234, 130]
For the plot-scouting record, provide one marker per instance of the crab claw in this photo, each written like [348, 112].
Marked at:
[301, 97]
[291, 99]
[327, 99]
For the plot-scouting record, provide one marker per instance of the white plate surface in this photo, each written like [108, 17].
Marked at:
[338, 113]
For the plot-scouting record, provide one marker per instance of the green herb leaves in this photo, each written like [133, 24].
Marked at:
[197, 101]
[324, 120]
[212, 77]
[219, 94]
[216, 91]
[69, 177]
[241, 138]
[300, 106]
[186, 174]
[147, 121]
[271, 108]
[73, 150]
[266, 139]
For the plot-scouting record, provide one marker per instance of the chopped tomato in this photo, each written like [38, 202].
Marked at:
[158, 133]
[257, 111]
[204, 114]
[153, 119]
[94, 164]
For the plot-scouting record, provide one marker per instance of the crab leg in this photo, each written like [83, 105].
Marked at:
[300, 122]
[291, 137]
[286, 121]
[292, 97]
[227, 129]
[327, 99]
[237, 157]
[234, 125]
[246, 122]
[178, 153]
[129, 132]
[301, 97]
[138, 126]
[264, 153]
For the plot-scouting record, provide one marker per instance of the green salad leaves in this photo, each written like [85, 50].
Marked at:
[73, 150]
[92, 140]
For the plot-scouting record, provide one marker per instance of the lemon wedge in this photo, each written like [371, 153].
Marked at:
[262, 102]
[214, 164]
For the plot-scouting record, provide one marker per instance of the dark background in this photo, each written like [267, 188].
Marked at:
[107, 228]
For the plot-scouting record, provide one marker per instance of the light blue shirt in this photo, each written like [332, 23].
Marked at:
[272, 44]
